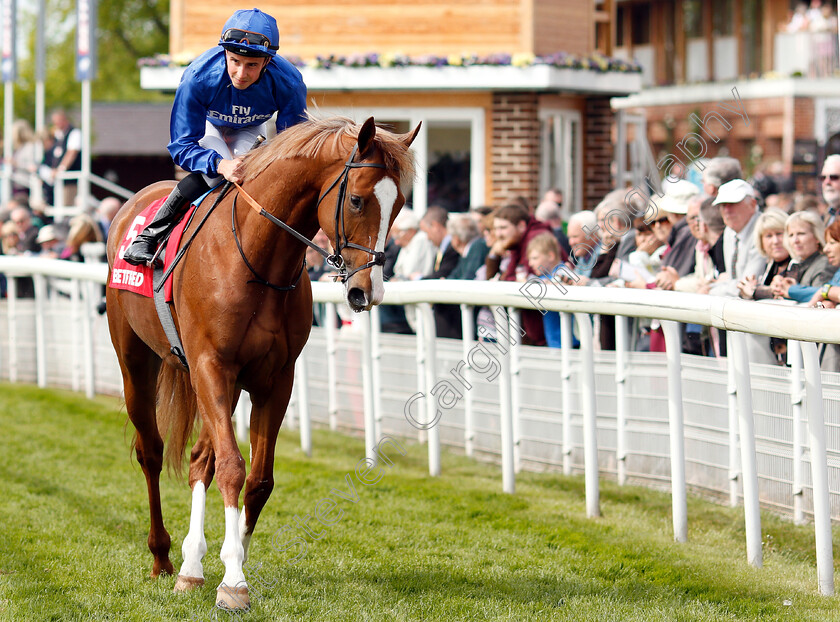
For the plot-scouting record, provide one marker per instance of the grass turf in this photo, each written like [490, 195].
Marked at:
[75, 520]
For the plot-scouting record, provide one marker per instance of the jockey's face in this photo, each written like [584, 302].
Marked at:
[244, 70]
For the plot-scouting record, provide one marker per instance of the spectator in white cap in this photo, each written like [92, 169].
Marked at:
[740, 255]
[48, 239]
[678, 258]
[741, 258]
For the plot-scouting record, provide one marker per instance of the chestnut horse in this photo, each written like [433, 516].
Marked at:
[244, 319]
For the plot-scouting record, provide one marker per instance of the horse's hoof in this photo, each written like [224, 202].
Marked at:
[232, 598]
[185, 584]
[162, 568]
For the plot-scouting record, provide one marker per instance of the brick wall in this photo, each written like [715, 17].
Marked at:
[515, 147]
[597, 150]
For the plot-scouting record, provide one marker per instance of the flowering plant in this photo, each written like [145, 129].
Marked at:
[561, 60]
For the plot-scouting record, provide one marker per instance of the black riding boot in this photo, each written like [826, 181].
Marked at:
[142, 250]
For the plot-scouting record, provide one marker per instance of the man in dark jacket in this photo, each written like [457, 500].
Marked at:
[433, 224]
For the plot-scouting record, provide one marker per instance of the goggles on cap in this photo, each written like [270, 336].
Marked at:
[235, 35]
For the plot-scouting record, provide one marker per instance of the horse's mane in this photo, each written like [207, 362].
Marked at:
[323, 136]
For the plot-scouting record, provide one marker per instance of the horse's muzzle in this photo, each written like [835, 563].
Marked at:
[358, 299]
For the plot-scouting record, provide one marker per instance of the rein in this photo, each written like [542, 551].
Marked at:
[341, 242]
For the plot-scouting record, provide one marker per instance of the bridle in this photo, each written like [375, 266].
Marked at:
[341, 242]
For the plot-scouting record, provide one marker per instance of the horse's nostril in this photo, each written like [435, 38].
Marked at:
[356, 298]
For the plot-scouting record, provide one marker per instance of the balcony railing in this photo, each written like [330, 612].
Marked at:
[810, 54]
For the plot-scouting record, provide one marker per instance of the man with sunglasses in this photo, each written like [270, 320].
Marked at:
[830, 181]
[224, 101]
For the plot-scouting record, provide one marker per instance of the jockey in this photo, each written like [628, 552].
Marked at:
[224, 100]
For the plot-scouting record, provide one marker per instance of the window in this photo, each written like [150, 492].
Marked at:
[693, 18]
[640, 24]
[449, 152]
[723, 18]
[751, 26]
[448, 179]
[561, 155]
[620, 16]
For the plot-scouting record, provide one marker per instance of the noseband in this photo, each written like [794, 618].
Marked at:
[341, 242]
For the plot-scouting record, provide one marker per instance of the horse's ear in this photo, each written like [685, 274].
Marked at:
[366, 136]
[407, 139]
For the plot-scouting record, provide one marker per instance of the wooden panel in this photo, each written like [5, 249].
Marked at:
[440, 27]
[566, 26]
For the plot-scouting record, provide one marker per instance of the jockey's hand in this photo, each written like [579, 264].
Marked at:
[231, 170]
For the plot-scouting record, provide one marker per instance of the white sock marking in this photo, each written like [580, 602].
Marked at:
[233, 553]
[195, 546]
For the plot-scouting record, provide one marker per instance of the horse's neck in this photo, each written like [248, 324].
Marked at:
[288, 190]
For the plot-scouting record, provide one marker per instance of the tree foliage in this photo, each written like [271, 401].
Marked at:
[126, 31]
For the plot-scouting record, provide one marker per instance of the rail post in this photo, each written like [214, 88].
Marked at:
[819, 468]
[467, 331]
[40, 337]
[746, 426]
[376, 371]
[433, 430]
[676, 429]
[621, 347]
[732, 401]
[421, 361]
[590, 433]
[514, 322]
[11, 296]
[303, 403]
[505, 409]
[566, 386]
[76, 304]
[794, 357]
[89, 297]
[332, 375]
[367, 387]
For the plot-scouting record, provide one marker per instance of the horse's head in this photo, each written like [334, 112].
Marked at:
[368, 198]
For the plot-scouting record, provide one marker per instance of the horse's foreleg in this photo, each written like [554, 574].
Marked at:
[215, 391]
[266, 417]
[194, 548]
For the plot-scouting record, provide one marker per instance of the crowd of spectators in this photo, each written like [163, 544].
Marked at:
[726, 236]
[813, 28]
[29, 232]
[53, 151]
[26, 228]
[818, 16]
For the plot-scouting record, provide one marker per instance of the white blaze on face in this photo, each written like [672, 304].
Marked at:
[385, 192]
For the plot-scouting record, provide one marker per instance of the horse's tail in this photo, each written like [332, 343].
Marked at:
[176, 414]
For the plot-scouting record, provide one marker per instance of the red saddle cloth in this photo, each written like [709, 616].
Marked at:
[138, 279]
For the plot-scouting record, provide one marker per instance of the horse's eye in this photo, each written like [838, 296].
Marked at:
[356, 202]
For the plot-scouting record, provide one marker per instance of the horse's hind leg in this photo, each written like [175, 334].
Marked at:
[202, 468]
[140, 369]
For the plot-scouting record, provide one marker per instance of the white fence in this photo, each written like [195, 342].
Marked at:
[752, 434]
